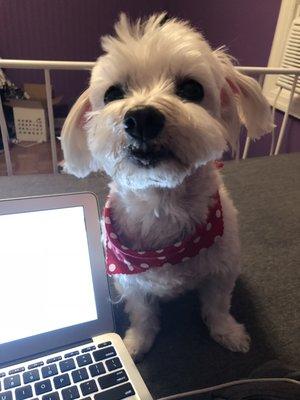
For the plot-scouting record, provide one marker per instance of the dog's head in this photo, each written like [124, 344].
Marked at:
[160, 103]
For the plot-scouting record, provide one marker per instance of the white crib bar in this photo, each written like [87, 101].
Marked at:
[273, 118]
[51, 120]
[47, 64]
[285, 118]
[87, 65]
[4, 133]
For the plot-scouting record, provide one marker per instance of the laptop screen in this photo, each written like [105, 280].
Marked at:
[46, 278]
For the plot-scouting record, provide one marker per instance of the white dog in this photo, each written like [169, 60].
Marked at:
[160, 109]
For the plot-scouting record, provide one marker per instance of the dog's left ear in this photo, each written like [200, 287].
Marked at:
[77, 156]
[242, 101]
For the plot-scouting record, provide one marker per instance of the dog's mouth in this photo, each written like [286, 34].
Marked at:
[148, 156]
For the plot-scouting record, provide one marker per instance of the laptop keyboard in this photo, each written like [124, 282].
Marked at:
[85, 372]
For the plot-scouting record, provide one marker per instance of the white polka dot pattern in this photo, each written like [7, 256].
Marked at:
[112, 267]
[121, 259]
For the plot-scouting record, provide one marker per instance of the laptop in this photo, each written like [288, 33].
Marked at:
[57, 337]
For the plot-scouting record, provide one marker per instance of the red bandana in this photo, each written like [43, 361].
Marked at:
[122, 260]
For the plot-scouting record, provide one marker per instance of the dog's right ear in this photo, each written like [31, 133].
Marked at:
[77, 156]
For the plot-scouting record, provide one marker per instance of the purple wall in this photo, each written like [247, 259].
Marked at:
[70, 30]
[245, 27]
[62, 30]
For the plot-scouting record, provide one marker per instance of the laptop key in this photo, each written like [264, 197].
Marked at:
[104, 344]
[85, 359]
[49, 370]
[113, 379]
[118, 393]
[54, 359]
[97, 369]
[70, 393]
[2, 374]
[72, 354]
[89, 387]
[104, 353]
[12, 382]
[61, 381]
[43, 387]
[36, 365]
[80, 375]
[31, 376]
[51, 396]
[87, 349]
[6, 396]
[16, 371]
[24, 392]
[114, 363]
[67, 365]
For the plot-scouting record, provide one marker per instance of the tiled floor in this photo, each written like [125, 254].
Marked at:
[31, 160]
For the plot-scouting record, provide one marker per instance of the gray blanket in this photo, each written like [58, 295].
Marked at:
[266, 298]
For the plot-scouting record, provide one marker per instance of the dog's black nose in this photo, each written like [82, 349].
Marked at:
[144, 123]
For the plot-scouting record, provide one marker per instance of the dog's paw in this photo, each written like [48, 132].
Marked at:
[232, 335]
[137, 343]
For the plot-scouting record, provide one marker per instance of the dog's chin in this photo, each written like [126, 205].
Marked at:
[148, 157]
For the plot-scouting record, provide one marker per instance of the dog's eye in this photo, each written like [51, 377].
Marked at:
[190, 90]
[113, 93]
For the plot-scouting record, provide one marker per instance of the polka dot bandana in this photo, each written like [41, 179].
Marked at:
[122, 260]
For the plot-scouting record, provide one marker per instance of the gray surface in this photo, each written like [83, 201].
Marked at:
[266, 298]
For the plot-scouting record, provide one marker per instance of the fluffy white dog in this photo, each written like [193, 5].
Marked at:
[160, 109]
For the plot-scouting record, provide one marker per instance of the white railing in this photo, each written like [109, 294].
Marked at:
[47, 66]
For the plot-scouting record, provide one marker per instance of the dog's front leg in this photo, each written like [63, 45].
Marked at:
[143, 315]
[215, 296]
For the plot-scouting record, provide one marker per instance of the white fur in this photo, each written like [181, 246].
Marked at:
[154, 207]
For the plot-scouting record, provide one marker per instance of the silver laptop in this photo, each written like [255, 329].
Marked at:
[57, 337]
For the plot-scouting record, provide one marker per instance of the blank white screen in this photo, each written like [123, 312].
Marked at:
[45, 274]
